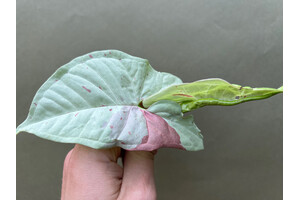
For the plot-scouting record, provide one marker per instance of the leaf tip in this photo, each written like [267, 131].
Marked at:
[18, 131]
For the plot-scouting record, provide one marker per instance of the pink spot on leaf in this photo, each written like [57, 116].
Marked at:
[86, 89]
[145, 139]
[185, 95]
[90, 56]
[109, 52]
[129, 132]
[121, 118]
[110, 109]
[35, 104]
[123, 143]
[100, 87]
[104, 54]
[76, 114]
[111, 126]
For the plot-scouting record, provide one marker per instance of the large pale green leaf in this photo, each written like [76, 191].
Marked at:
[209, 92]
[93, 100]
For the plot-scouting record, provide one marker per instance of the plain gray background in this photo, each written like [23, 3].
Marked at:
[237, 40]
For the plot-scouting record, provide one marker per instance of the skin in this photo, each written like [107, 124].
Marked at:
[93, 174]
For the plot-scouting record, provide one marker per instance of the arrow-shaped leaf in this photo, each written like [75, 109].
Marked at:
[209, 92]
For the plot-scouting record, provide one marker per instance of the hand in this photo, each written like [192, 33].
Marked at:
[93, 174]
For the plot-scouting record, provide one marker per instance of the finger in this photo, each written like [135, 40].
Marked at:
[92, 173]
[102, 155]
[138, 175]
[65, 174]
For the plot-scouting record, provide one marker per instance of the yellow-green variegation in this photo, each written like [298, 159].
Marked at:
[212, 91]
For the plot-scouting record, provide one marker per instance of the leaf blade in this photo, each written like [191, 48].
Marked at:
[210, 92]
[94, 85]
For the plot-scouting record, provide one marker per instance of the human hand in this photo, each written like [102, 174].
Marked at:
[93, 174]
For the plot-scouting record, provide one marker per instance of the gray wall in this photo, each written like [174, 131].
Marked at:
[237, 40]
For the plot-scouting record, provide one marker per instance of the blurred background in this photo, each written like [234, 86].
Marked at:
[237, 40]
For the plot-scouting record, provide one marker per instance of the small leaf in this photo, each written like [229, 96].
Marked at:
[209, 92]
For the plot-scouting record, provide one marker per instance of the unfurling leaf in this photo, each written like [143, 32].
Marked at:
[205, 92]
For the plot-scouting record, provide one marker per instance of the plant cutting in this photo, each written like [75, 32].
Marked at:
[108, 99]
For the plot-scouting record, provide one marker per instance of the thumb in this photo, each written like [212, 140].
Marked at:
[138, 175]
